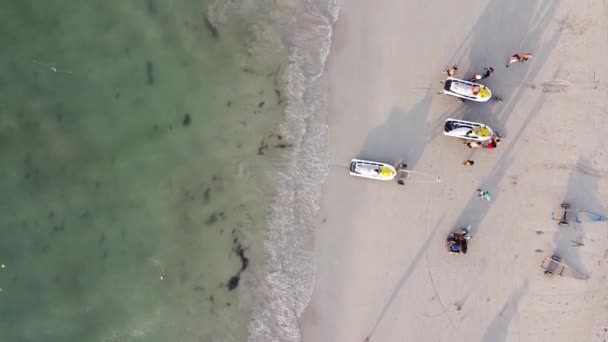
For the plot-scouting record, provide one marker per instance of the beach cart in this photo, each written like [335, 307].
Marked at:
[554, 266]
[412, 176]
[565, 214]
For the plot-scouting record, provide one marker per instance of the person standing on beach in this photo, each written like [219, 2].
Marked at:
[487, 72]
[468, 163]
[476, 77]
[484, 194]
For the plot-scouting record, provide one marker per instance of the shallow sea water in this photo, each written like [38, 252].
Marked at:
[137, 141]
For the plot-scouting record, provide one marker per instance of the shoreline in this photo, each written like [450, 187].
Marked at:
[284, 284]
[382, 269]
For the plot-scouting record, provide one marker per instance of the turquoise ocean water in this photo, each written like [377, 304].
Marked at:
[149, 182]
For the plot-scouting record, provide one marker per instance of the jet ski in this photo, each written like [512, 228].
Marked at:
[372, 169]
[466, 90]
[468, 130]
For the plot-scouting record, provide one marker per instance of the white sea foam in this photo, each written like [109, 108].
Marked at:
[285, 284]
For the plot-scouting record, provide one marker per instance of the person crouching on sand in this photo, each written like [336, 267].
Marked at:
[452, 71]
[494, 142]
[487, 72]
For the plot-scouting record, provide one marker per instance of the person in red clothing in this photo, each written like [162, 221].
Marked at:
[493, 143]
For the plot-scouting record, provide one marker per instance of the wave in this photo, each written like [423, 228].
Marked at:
[284, 285]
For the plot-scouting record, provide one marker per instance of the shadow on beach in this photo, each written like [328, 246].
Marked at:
[488, 40]
[402, 137]
[498, 330]
[581, 194]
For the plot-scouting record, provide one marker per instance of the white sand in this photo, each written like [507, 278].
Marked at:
[382, 263]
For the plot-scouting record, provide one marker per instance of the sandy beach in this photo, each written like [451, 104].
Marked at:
[383, 271]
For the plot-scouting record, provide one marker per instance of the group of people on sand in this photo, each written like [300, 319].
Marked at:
[488, 71]
[490, 144]
[485, 73]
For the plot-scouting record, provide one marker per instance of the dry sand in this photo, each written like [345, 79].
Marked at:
[383, 270]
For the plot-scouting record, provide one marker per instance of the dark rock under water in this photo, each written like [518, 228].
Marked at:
[238, 249]
[211, 28]
[187, 120]
[149, 73]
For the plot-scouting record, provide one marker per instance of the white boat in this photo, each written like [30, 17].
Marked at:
[468, 130]
[466, 90]
[372, 169]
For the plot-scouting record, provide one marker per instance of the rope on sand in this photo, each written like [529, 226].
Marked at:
[436, 180]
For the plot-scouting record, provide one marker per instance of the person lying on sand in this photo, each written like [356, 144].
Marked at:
[472, 144]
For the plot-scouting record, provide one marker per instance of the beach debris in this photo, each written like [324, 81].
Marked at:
[52, 67]
[238, 249]
[577, 243]
[468, 162]
[187, 120]
[149, 73]
[210, 27]
[162, 269]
